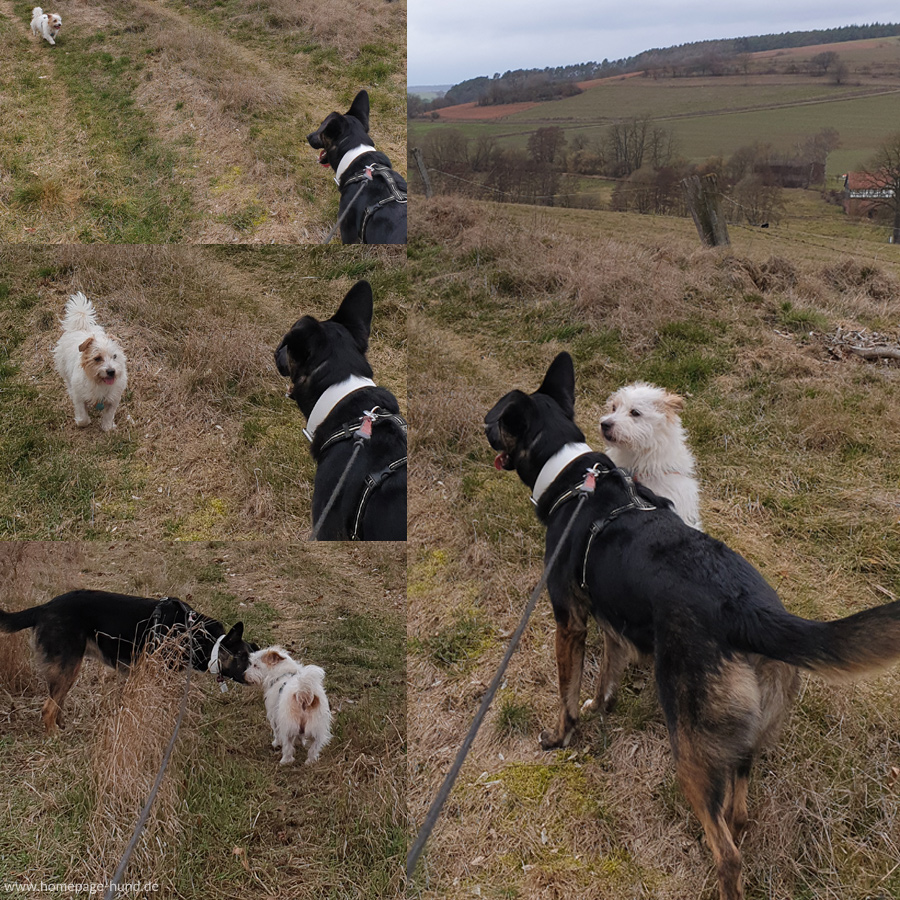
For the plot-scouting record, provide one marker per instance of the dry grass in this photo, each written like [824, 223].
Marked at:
[798, 459]
[206, 444]
[128, 749]
[229, 821]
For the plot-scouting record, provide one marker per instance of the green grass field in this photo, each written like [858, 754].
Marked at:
[185, 122]
[716, 116]
[797, 444]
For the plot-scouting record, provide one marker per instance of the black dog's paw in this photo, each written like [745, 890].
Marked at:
[550, 740]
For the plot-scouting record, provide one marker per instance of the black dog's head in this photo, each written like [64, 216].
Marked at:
[527, 429]
[338, 134]
[175, 616]
[316, 355]
[234, 654]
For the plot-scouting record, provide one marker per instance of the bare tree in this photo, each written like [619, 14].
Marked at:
[546, 144]
[630, 143]
[883, 172]
[756, 200]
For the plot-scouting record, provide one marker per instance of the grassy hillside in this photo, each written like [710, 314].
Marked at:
[229, 821]
[716, 115]
[206, 445]
[798, 444]
[157, 122]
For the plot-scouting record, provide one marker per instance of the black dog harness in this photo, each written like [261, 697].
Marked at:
[586, 485]
[361, 429]
[386, 173]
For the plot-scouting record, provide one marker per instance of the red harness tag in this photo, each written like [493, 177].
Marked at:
[365, 429]
[590, 480]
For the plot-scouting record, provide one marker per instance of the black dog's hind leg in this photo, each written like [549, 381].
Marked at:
[60, 678]
[59, 655]
[571, 630]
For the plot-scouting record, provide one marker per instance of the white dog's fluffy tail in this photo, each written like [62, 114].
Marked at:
[37, 11]
[80, 315]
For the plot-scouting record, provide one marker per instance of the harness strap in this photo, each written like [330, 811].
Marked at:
[349, 429]
[374, 481]
[636, 502]
[396, 195]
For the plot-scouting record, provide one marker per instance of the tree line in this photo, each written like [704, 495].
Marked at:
[696, 58]
[639, 155]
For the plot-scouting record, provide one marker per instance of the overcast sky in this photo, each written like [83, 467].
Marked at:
[450, 41]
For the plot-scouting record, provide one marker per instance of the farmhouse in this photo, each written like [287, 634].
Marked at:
[861, 191]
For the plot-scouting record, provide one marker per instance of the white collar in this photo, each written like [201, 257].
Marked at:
[330, 399]
[215, 667]
[555, 465]
[348, 158]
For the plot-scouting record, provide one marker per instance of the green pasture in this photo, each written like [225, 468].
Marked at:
[712, 117]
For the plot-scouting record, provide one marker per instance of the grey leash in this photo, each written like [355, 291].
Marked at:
[145, 812]
[349, 206]
[357, 446]
[437, 804]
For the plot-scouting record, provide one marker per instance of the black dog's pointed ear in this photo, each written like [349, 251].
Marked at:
[235, 636]
[559, 384]
[359, 109]
[355, 313]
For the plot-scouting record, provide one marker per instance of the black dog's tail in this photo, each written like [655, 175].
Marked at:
[16, 621]
[861, 644]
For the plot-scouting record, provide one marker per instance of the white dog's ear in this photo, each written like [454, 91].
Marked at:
[674, 404]
[273, 657]
[85, 344]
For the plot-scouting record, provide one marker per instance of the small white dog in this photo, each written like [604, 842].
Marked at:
[642, 428]
[296, 705]
[91, 363]
[44, 25]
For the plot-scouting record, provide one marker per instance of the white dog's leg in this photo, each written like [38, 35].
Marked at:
[314, 750]
[287, 751]
[82, 417]
[110, 406]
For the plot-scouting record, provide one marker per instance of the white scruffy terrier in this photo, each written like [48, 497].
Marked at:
[296, 705]
[44, 25]
[644, 434]
[91, 363]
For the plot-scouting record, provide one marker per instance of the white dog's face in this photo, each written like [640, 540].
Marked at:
[270, 662]
[641, 416]
[54, 22]
[102, 359]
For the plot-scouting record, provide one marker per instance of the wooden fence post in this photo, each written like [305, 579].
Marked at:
[420, 162]
[705, 204]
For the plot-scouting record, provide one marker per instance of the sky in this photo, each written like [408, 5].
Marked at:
[448, 42]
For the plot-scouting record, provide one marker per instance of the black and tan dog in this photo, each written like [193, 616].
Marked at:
[114, 628]
[347, 413]
[373, 196]
[724, 647]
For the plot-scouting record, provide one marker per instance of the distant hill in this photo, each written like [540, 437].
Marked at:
[697, 58]
[428, 91]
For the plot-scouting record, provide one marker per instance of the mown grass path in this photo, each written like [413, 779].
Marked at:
[169, 123]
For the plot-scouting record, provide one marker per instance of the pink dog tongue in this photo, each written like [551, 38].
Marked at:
[500, 460]
[109, 379]
[322, 160]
